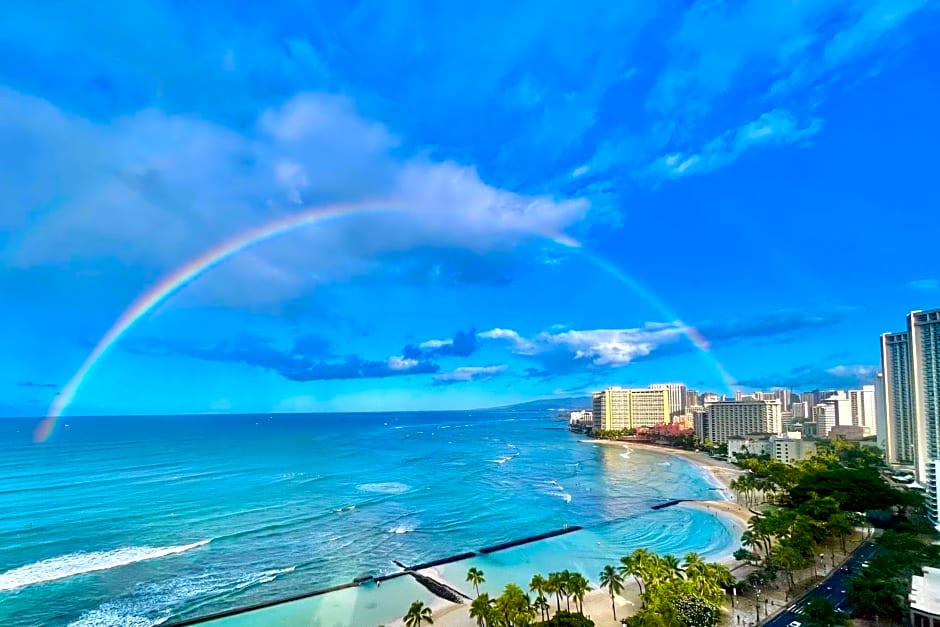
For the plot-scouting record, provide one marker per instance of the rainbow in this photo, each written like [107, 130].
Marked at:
[211, 258]
[694, 335]
[181, 277]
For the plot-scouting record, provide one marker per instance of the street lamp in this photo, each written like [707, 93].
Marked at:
[757, 605]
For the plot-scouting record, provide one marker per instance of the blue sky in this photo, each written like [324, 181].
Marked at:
[764, 171]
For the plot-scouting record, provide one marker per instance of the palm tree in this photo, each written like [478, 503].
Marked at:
[475, 577]
[418, 614]
[611, 580]
[513, 607]
[635, 565]
[543, 607]
[694, 565]
[537, 585]
[553, 586]
[579, 587]
[565, 580]
[481, 608]
[672, 567]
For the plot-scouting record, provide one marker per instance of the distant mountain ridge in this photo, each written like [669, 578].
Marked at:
[572, 403]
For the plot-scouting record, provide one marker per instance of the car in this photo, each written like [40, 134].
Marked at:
[864, 564]
[845, 569]
[795, 623]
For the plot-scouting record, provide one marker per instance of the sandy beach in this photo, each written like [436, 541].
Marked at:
[597, 603]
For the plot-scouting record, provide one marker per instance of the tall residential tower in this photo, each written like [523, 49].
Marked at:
[924, 332]
[896, 366]
[910, 363]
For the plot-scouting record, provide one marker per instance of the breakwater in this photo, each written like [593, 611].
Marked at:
[434, 586]
[541, 536]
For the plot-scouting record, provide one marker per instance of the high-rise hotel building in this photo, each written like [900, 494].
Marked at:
[724, 419]
[618, 408]
[677, 397]
[911, 367]
[899, 412]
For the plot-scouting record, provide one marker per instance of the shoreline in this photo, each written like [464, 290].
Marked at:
[597, 603]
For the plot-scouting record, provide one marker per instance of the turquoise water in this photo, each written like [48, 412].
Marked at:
[136, 521]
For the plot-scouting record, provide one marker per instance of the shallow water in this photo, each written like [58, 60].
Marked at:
[139, 520]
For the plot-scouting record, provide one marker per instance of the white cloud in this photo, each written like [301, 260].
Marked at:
[925, 284]
[775, 127]
[519, 344]
[470, 373]
[596, 347]
[859, 373]
[401, 363]
[791, 43]
[153, 190]
[432, 344]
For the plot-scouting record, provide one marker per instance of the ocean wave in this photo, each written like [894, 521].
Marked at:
[388, 487]
[264, 576]
[65, 566]
[110, 616]
[563, 495]
[166, 599]
[401, 529]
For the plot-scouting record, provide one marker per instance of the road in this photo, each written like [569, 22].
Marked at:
[834, 587]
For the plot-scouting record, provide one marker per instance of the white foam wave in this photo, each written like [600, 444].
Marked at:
[388, 487]
[503, 460]
[73, 564]
[625, 455]
[164, 599]
[401, 529]
[264, 576]
[664, 464]
[108, 617]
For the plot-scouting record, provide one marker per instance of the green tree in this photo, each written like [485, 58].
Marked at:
[579, 587]
[610, 579]
[542, 607]
[537, 585]
[694, 611]
[418, 614]
[820, 612]
[553, 587]
[476, 579]
[513, 608]
[876, 596]
[567, 619]
[671, 566]
[636, 565]
[481, 608]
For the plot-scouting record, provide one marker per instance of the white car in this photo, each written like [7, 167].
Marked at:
[795, 623]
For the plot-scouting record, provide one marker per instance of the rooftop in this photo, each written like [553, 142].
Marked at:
[925, 591]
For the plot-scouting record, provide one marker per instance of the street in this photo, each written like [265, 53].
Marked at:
[834, 587]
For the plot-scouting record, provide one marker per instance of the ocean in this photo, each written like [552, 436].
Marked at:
[150, 520]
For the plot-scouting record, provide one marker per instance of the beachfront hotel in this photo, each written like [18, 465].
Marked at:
[677, 397]
[910, 363]
[721, 420]
[618, 408]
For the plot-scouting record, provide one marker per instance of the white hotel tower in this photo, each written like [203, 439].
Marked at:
[911, 363]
